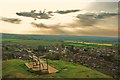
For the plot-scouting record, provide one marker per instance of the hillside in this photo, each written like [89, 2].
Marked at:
[15, 68]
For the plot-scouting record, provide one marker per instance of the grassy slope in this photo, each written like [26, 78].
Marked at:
[15, 68]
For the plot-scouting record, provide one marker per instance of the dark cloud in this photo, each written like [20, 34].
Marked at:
[66, 11]
[55, 29]
[11, 20]
[89, 19]
[33, 14]
[43, 15]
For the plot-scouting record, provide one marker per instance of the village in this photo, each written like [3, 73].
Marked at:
[102, 59]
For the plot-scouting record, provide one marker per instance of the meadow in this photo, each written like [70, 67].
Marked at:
[15, 68]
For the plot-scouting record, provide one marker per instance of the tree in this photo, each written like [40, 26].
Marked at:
[42, 48]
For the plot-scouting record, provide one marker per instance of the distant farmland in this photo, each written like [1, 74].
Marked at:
[60, 37]
[32, 43]
[83, 44]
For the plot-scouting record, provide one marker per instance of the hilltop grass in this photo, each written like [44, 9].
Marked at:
[15, 68]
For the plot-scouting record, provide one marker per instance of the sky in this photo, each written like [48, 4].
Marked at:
[93, 19]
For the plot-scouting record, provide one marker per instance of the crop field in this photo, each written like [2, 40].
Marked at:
[88, 44]
[35, 43]
[77, 43]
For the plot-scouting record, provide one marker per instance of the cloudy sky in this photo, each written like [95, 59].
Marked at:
[93, 19]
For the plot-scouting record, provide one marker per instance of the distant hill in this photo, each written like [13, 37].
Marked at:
[58, 37]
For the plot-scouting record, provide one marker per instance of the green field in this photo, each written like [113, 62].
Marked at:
[36, 43]
[15, 68]
[86, 44]
[32, 43]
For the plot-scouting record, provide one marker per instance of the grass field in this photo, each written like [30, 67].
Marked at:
[32, 43]
[15, 68]
[36, 43]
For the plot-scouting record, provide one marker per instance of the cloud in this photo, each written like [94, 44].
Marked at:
[53, 29]
[44, 15]
[87, 19]
[76, 30]
[11, 20]
[90, 19]
[103, 6]
[93, 24]
[33, 14]
[41, 25]
[66, 11]
[88, 24]
[105, 15]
